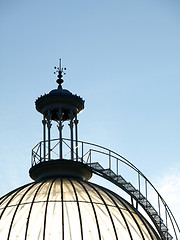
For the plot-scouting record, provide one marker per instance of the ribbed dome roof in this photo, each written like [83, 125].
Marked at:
[67, 209]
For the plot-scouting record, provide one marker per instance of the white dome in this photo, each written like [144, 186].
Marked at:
[69, 209]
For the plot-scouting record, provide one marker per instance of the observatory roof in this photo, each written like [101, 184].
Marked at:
[70, 209]
[60, 98]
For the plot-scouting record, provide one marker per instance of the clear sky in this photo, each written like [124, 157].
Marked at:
[122, 57]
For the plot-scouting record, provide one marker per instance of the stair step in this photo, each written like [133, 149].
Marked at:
[167, 236]
[145, 203]
[96, 166]
[138, 195]
[158, 219]
[109, 172]
[163, 227]
[151, 210]
[119, 179]
[129, 187]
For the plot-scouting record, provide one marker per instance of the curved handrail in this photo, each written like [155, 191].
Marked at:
[84, 154]
[171, 216]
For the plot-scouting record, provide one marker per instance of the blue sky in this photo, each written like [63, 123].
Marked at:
[121, 56]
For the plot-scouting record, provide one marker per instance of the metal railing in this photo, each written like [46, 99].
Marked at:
[112, 166]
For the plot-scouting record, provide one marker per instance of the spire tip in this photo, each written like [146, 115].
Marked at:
[60, 72]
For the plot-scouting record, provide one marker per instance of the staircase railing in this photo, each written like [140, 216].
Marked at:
[119, 171]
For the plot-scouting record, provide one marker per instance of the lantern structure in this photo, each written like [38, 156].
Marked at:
[63, 204]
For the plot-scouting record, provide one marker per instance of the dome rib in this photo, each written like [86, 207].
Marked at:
[129, 231]
[9, 194]
[70, 209]
[94, 211]
[141, 233]
[79, 211]
[45, 213]
[62, 207]
[105, 206]
[14, 215]
[30, 210]
[8, 201]
[146, 227]
[139, 215]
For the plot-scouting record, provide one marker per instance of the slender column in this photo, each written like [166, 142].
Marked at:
[71, 129]
[60, 132]
[49, 134]
[76, 136]
[44, 136]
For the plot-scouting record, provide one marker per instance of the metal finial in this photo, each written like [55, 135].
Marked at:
[60, 72]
